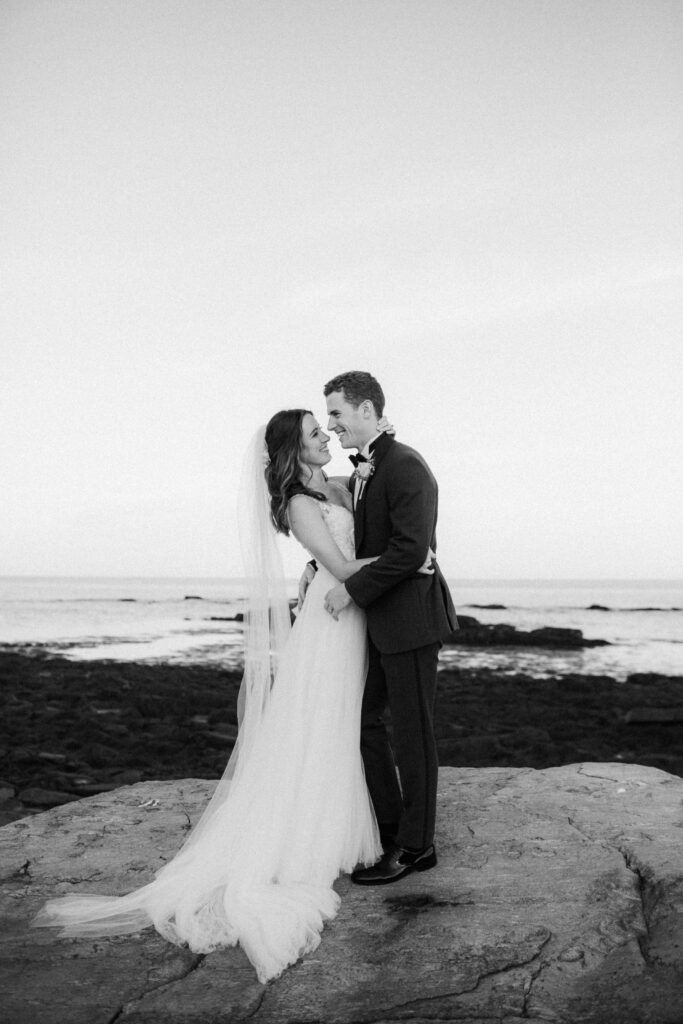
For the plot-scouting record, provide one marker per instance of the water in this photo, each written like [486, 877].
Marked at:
[187, 621]
[640, 640]
[167, 620]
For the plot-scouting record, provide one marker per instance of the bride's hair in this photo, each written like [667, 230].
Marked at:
[283, 442]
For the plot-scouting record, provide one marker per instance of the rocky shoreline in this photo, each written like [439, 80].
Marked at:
[74, 729]
[556, 898]
[473, 633]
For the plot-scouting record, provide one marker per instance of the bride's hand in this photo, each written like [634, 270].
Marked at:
[385, 426]
[307, 577]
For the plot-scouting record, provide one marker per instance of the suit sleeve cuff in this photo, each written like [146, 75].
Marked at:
[355, 588]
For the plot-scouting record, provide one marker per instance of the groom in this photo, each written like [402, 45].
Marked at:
[408, 614]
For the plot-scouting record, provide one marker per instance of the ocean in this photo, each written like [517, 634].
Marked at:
[189, 621]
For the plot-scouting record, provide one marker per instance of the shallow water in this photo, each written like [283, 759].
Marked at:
[186, 621]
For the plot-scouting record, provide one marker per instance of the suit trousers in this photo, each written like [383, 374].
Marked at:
[406, 684]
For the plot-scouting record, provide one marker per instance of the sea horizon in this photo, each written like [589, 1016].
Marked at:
[195, 620]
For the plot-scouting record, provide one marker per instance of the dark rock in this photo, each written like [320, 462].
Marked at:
[23, 755]
[220, 739]
[91, 788]
[127, 776]
[219, 725]
[44, 797]
[553, 636]
[492, 607]
[473, 633]
[642, 716]
[583, 715]
[81, 780]
[44, 755]
[598, 608]
[657, 759]
[7, 791]
[532, 734]
[99, 756]
[14, 810]
[470, 750]
[467, 622]
[652, 679]
[653, 609]
[114, 729]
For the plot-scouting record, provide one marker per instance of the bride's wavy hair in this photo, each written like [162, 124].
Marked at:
[283, 470]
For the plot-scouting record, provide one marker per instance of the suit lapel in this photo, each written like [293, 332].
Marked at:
[359, 523]
[379, 450]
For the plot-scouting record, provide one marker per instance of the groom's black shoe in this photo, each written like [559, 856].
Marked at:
[394, 865]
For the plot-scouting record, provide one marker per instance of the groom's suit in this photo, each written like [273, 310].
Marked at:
[408, 615]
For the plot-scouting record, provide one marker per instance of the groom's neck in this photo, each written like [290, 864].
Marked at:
[371, 437]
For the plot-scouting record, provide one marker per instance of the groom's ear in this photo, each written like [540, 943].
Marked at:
[367, 409]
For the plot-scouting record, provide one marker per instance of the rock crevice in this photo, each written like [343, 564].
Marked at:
[158, 984]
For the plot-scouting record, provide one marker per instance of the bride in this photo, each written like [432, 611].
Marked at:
[292, 810]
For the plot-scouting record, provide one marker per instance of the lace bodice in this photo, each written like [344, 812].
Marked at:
[340, 524]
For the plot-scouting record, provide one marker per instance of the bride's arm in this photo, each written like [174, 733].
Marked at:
[308, 526]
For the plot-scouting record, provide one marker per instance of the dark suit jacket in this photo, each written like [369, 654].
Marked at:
[396, 519]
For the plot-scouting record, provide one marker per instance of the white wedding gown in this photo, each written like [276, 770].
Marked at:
[297, 812]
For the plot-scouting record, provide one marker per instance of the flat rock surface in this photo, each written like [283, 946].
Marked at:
[558, 897]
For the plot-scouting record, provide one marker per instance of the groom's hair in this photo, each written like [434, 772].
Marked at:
[357, 386]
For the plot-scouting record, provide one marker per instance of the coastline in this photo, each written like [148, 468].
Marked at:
[71, 728]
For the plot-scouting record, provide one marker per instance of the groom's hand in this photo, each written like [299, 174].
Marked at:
[336, 600]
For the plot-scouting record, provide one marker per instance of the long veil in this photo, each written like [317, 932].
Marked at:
[267, 619]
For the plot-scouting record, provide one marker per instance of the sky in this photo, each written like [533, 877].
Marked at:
[208, 209]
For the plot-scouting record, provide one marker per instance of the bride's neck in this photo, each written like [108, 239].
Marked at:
[316, 481]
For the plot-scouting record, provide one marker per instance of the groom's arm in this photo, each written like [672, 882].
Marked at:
[412, 497]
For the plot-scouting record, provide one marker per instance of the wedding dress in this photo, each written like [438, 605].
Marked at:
[260, 868]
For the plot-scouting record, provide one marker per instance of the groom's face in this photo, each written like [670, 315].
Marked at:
[352, 424]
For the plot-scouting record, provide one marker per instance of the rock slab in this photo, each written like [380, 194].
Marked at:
[558, 897]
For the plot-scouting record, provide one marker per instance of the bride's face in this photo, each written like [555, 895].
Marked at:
[313, 448]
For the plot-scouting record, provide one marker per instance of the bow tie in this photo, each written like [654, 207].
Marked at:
[355, 459]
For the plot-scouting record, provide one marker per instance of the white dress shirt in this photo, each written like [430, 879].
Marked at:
[358, 484]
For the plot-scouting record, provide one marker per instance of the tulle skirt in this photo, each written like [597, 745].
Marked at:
[297, 813]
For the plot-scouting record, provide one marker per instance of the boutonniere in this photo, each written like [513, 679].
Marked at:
[364, 470]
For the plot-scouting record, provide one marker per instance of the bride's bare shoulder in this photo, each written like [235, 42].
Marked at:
[303, 504]
[303, 515]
